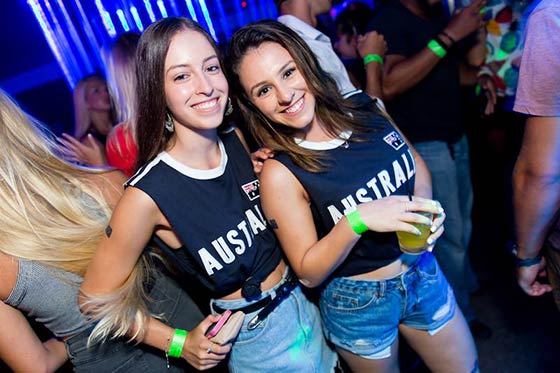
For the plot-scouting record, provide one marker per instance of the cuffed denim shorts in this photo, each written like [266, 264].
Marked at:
[362, 316]
[290, 339]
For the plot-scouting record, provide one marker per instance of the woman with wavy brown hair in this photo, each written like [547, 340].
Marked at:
[338, 189]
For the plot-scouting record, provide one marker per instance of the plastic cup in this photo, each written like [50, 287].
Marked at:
[413, 244]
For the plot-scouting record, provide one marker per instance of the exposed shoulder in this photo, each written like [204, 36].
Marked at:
[137, 204]
[277, 177]
[138, 197]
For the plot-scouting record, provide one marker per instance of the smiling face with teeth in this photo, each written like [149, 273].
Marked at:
[274, 84]
[196, 89]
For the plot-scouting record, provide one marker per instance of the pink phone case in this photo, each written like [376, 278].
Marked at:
[215, 328]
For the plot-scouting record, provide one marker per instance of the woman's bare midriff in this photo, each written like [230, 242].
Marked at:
[389, 271]
[273, 278]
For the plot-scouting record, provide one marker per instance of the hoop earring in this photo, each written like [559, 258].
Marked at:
[168, 123]
[229, 107]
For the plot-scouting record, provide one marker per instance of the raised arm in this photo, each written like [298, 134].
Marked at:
[402, 73]
[312, 259]
[368, 44]
[21, 349]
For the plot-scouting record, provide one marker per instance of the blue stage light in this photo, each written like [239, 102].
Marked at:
[150, 10]
[106, 18]
[136, 17]
[162, 8]
[76, 30]
[51, 40]
[206, 16]
[122, 18]
[192, 12]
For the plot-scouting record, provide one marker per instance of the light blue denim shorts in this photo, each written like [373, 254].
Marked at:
[362, 316]
[290, 339]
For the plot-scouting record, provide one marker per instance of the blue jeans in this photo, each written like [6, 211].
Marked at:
[362, 316]
[451, 183]
[166, 298]
[289, 340]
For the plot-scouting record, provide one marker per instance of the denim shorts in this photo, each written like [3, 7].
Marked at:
[290, 339]
[362, 316]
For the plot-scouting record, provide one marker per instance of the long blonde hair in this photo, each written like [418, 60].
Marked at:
[120, 64]
[51, 212]
[44, 213]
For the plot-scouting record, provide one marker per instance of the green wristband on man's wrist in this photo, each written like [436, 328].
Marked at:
[437, 48]
[372, 57]
[356, 223]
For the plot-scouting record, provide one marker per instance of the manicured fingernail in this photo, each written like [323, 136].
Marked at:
[417, 232]
[429, 241]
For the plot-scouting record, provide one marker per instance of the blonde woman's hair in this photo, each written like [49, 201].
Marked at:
[44, 213]
[120, 65]
[51, 212]
[82, 117]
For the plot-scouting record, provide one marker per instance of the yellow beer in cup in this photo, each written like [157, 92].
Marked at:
[411, 243]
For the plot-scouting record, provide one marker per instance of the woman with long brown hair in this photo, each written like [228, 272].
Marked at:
[195, 190]
[336, 191]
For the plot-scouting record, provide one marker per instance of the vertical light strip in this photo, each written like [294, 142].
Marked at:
[150, 10]
[190, 7]
[65, 48]
[206, 16]
[122, 18]
[48, 32]
[90, 34]
[75, 38]
[106, 18]
[136, 17]
[162, 8]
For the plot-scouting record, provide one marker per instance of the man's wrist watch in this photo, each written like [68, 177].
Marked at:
[524, 262]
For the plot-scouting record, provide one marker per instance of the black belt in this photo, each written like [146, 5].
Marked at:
[268, 303]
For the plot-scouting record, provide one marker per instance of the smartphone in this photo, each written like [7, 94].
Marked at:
[215, 327]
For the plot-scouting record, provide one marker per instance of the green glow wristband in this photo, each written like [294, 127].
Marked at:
[356, 222]
[177, 343]
[437, 48]
[373, 57]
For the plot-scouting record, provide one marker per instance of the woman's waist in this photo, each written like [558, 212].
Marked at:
[268, 283]
[391, 270]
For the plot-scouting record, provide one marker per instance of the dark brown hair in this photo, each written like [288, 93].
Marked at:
[336, 113]
[151, 104]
